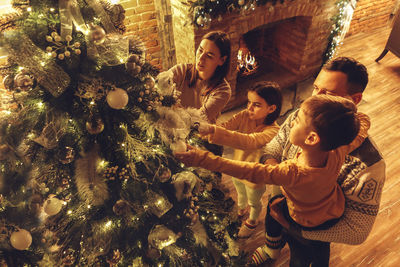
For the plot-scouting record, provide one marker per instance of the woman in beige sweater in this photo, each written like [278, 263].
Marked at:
[202, 85]
[247, 132]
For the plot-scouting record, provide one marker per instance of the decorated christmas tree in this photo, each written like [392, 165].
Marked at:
[87, 174]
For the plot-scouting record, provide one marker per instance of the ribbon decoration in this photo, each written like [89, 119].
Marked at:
[70, 14]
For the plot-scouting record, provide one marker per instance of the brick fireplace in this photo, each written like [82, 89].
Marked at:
[287, 39]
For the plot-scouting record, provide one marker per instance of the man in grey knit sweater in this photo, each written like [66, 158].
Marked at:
[362, 176]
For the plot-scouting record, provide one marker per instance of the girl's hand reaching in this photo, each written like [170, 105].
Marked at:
[188, 156]
[206, 128]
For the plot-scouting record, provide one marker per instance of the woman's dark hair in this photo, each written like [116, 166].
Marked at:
[222, 41]
[271, 93]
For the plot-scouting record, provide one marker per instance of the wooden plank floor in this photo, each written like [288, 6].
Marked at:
[381, 101]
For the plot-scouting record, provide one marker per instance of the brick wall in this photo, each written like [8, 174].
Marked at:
[141, 21]
[371, 14]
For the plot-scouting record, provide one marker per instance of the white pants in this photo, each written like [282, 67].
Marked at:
[249, 196]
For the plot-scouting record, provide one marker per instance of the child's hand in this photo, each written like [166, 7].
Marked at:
[206, 128]
[187, 157]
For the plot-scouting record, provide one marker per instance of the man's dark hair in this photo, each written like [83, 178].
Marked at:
[333, 118]
[357, 75]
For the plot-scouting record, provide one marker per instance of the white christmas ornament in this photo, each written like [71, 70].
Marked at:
[118, 98]
[52, 206]
[21, 239]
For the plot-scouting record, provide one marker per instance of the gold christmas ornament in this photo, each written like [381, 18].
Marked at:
[200, 20]
[114, 257]
[68, 257]
[164, 174]
[149, 83]
[121, 207]
[66, 155]
[117, 99]
[21, 239]
[97, 34]
[153, 253]
[95, 126]
[23, 82]
[8, 82]
[52, 206]
[161, 237]
[133, 64]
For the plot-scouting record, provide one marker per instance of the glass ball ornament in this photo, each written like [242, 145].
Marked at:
[200, 21]
[68, 257]
[207, 21]
[8, 82]
[66, 155]
[21, 239]
[121, 207]
[164, 174]
[52, 206]
[149, 83]
[95, 125]
[241, 2]
[97, 34]
[23, 82]
[117, 99]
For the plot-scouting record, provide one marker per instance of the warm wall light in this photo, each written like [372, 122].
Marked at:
[5, 7]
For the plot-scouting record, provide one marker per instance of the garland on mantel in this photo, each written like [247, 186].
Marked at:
[203, 11]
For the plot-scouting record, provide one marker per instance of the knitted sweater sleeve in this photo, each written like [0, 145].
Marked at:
[274, 149]
[362, 178]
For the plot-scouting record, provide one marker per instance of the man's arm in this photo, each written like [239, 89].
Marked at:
[275, 148]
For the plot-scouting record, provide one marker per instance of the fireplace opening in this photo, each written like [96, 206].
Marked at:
[246, 62]
[277, 50]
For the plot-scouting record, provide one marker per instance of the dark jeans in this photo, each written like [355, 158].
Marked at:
[303, 252]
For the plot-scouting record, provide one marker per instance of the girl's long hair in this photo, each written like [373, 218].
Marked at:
[271, 93]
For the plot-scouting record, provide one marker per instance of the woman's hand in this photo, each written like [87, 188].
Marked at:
[188, 156]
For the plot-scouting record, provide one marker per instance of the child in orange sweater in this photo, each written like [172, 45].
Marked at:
[248, 131]
[327, 128]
